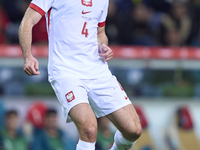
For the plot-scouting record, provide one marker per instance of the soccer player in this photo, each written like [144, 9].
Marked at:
[78, 70]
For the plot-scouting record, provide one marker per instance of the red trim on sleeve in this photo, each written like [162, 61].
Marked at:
[101, 24]
[49, 14]
[38, 9]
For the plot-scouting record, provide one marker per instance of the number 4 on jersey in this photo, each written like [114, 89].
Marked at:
[84, 30]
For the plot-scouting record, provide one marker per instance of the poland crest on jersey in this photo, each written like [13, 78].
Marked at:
[70, 96]
[87, 3]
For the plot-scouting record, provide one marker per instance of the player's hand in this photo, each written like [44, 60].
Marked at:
[105, 52]
[31, 66]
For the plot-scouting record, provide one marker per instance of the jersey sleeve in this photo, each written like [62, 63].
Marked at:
[41, 6]
[102, 19]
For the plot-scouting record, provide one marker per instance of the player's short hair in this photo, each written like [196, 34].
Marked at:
[50, 111]
[11, 112]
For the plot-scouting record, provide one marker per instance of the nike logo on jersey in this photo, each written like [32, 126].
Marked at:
[85, 12]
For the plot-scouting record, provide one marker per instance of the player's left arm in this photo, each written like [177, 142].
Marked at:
[104, 51]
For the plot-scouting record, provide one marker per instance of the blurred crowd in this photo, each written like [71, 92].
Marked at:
[11, 14]
[37, 125]
[40, 130]
[129, 22]
[153, 22]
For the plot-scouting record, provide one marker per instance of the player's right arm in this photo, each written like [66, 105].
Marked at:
[30, 18]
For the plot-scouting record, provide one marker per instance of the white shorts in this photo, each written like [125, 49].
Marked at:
[105, 95]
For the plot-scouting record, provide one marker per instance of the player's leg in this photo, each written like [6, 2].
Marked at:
[72, 95]
[108, 98]
[127, 122]
[85, 121]
[129, 128]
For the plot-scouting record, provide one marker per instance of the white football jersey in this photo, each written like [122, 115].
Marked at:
[72, 30]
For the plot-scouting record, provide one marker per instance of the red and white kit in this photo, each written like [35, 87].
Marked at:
[75, 67]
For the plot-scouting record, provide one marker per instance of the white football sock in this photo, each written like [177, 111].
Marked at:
[121, 143]
[82, 145]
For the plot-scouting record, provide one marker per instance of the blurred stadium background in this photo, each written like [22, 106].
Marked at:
[156, 59]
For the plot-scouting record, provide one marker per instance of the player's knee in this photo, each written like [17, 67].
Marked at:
[134, 133]
[90, 133]
[139, 131]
